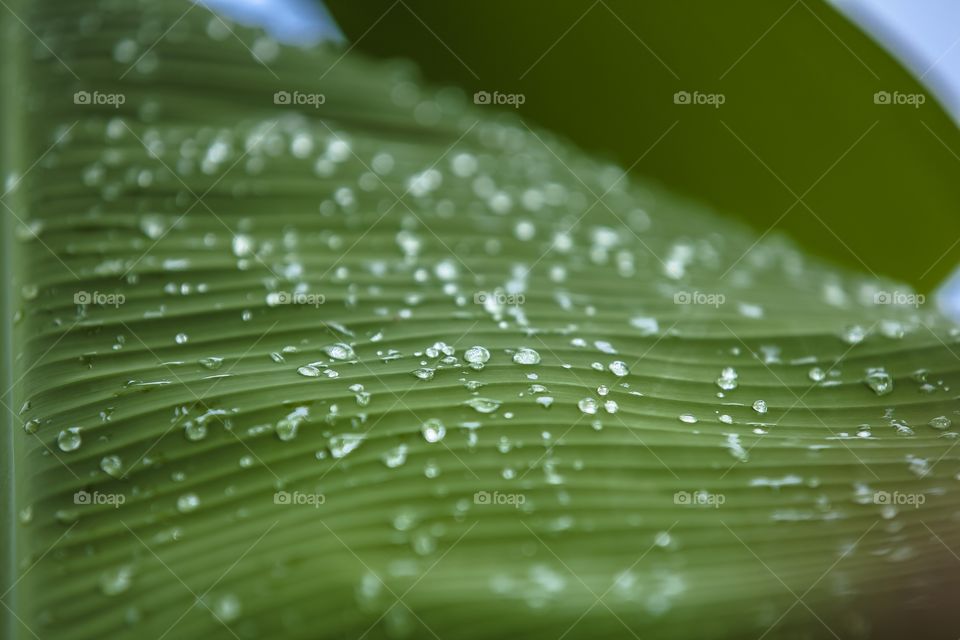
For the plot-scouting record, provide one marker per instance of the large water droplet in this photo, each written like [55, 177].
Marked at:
[526, 356]
[433, 430]
[339, 351]
[587, 406]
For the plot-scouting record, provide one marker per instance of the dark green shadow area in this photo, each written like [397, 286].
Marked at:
[878, 183]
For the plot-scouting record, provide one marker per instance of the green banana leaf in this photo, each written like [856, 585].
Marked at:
[351, 357]
[798, 146]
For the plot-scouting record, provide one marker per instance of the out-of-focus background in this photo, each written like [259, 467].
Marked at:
[819, 120]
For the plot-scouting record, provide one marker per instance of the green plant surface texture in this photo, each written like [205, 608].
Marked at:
[304, 347]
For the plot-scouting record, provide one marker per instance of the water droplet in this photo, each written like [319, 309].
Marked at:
[309, 371]
[242, 245]
[483, 405]
[728, 379]
[362, 396]
[213, 362]
[194, 430]
[618, 368]
[342, 444]
[187, 502]
[116, 580]
[112, 466]
[854, 334]
[395, 457]
[181, 338]
[477, 356]
[339, 351]
[69, 439]
[880, 381]
[227, 608]
[816, 374]
[688, 418]
[940, 422]
[735, 448]
[647, 326]
[587, 406]
[525, 355]
[286, 427]
[424, 373]
[760, 406]
[433, 430]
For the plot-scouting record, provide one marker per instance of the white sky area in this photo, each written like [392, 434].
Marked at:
[923, 34]
[301, 22]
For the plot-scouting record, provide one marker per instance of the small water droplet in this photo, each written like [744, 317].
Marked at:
[424, 373]
[879, 381]
[854, 334]
[395, 457]
[69, 439]
[647, 326]
[117, 580]
[213, 362]
[187, 502]
[728, 379]
[227, 608]
[194, 431]
[483, 405]
[112, 466]
[344, 443]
